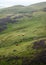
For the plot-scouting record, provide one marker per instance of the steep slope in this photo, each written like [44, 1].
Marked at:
[23, 37]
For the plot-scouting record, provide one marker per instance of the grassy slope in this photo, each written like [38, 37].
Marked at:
[18, 38]
[23, 9]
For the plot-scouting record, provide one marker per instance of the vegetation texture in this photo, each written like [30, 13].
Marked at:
[23, 35]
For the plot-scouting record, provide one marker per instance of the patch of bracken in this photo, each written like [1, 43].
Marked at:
[39, 44]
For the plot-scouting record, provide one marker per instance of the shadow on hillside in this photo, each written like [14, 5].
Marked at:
[4, 22]
[39, 58]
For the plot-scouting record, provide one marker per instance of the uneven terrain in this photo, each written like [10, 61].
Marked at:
[23, 35]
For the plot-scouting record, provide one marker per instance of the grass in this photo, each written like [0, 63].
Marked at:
[17, 40]
[25, 30]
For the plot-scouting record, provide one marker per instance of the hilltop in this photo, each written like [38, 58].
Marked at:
[23, 9]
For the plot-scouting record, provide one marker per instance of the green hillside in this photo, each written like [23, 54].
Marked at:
[23, 35]
[23, 9]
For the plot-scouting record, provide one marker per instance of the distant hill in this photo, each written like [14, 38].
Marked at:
[38, 5]
[23, 9]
